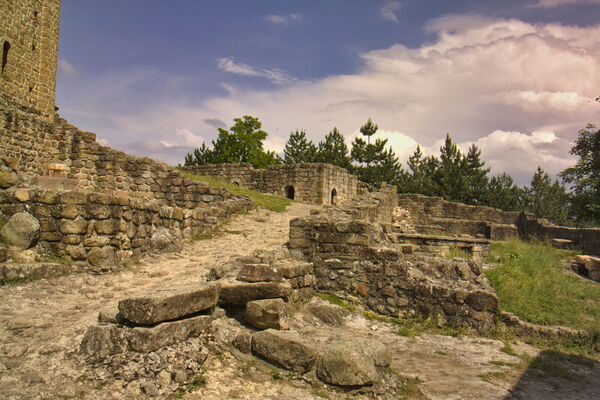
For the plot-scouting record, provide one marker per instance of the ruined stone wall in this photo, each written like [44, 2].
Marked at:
[312, 183]
[105, 229]
[29, 51]
[355, 258]
[438, 216]
[588, 239]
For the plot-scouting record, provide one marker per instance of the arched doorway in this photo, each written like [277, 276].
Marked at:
[333, 197]
[289, 192]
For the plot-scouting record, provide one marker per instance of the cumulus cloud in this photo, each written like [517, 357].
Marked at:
[277, 76]
[388, 11]
[557, 3]
[216, 122]
[520, 91]
[283, 19]
[67, 68]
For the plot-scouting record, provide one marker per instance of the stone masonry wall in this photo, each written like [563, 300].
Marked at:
[105, 229]
[588, 239]
[355, 258]
[30, 27]
[436, 215]
[312, 183]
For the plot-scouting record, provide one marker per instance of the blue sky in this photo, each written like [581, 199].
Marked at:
[157, 78]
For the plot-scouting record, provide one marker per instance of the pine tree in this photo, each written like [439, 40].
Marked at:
[452, 180]
[333, 150]
[299, 150]
[545, 199]
[585, 176]
[502, 193]
[476, 177]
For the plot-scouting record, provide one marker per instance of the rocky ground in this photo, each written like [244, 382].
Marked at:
[43, 322]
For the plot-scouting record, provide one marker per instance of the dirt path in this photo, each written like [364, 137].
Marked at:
[42, 324]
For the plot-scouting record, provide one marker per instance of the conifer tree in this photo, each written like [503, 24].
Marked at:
[298, 149]
[333, 150]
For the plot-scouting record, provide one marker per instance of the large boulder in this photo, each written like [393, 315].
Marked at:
[352, 362]
[326, 312]
[169, 304]
[22, 230]
[268, 314]
[286, 349]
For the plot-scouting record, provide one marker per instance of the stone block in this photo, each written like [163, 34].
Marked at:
[293, 270]
[69, 211]
[169, 304]
[22, 230]
[147, 339]
[243, 292]
[268, 314]
[106, 227]
[73, 197]
[259, 273]
[100, 257]
[22, 195]
[286, 349]
[74, 227]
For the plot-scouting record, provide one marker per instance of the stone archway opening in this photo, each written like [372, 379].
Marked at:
[289, 192]
[333, 197]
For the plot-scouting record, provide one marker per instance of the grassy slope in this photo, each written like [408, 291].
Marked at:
[267, 201]
[531, 282]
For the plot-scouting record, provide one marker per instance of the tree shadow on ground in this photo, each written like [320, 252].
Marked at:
[555, 375]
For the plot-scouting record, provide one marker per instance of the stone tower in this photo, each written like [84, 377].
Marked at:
[29, 50]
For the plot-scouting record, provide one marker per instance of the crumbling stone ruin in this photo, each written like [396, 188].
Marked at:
[311, 183]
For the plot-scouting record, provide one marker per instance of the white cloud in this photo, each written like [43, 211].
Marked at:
[277, 76]
[388, 11]
[557, 3]
[519, 91]
[67, 68]
[283, 19]
[183, 137]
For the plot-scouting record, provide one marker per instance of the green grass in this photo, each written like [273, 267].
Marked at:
[454, 252]
[266, 201]
[333, 299]
[531, 283]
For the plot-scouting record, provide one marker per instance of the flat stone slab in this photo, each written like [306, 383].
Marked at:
[101, 341]
[233, 292]
[169, 305]
[285, 349]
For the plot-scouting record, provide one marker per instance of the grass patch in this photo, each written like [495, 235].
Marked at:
[333, 299]
[410, 386]
[493, 377]
[505, 364]
[441, 353]
[454, 252]
[266, 201]
[530, 282]
[371, 316]
[407, 332]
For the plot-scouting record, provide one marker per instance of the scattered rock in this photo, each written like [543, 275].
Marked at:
[268, 313]
[169, 305]
[22, 230]
[285, 349]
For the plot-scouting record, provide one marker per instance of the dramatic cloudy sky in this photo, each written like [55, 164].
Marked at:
[516, 77]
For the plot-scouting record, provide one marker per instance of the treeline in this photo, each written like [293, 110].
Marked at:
[453, 175]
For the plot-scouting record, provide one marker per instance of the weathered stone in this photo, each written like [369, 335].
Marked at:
[296, 269]
[147, 339]
[110, 315]
[326, 312]
[259, 273]
[73, 197]
[164, 240]
[22, 230]
[7, 179]
[169, 304]
[592, 263]
[352, 363]
[101, 341]
[243, 341]
[96, 241]
[285, 349]
[268, 314]
[101, 257]
[482, 300]
[22, 195]
[243, 292]
[75, 227]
